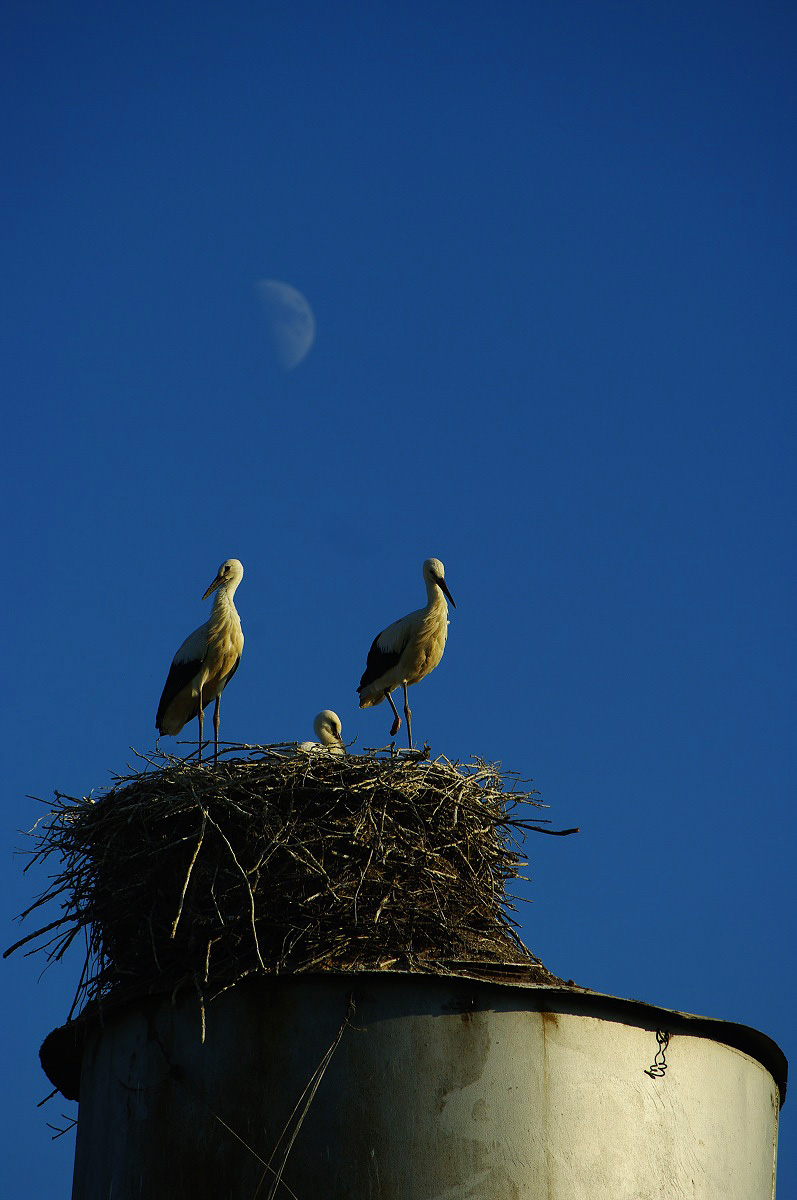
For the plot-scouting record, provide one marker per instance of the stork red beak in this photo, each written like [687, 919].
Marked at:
[216, 583]
[442, 584]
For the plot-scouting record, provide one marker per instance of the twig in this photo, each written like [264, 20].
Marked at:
[311, 1088]
[188, 876]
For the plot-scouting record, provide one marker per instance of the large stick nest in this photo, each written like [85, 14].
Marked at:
[283, 860]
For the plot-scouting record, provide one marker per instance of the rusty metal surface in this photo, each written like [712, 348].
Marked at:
[439, 1088]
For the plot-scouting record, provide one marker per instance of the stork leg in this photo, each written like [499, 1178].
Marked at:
[397, 723]
[408, 715]
[201, 718]
[216, 723]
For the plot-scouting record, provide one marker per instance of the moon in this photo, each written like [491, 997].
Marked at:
[289, 321]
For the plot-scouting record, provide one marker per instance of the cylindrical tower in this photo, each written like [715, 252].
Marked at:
[407, 1086]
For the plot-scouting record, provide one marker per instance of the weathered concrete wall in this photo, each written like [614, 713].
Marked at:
[439, 1089]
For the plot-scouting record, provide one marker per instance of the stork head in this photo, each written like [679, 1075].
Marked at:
[434, 572]
[328, 729]
[229, 574]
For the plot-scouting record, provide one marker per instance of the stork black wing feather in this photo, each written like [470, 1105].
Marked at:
[378, 662]
[180, 675]
[184, 673]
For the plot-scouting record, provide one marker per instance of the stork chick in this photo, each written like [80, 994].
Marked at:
[328, 730]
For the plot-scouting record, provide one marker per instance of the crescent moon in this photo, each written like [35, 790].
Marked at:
[289, 321]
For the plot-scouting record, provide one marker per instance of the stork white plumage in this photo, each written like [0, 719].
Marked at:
[328, 730]
[408, 649]
[206, 661]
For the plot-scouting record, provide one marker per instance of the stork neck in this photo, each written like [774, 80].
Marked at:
[222, 601]
[435, 595]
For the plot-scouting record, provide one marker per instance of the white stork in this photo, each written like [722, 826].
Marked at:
[408, 649]
[329, 732]
[206, 661]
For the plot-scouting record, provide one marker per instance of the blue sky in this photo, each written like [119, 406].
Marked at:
[550, 250]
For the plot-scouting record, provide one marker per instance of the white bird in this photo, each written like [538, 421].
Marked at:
[408, 649]
[206, 661]
[328, 730]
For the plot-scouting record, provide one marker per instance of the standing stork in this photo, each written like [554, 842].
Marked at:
[206, 661]
[328, 730]
[408, 649]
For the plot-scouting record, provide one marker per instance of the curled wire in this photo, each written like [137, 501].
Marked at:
[659, 1066]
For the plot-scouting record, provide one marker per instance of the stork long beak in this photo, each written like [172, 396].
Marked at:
[216, 583]
[442, 584]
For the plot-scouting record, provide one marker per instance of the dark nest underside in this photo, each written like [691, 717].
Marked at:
[283, 861]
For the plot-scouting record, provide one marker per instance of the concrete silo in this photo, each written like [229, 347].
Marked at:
[405, 1086]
